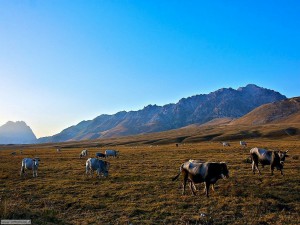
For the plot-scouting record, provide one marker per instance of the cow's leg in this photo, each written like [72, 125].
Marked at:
[281, 172]
[207, 188]
[22, 171]
[272, 170]
[253, 167]
[191, 186]
[185, 178]
[256, 165]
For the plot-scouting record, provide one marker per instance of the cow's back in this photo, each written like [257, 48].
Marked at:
[110, 152]
[27, 163]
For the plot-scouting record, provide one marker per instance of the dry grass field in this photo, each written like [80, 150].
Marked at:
[139, 189]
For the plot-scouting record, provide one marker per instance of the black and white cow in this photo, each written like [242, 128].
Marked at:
[30, 164]
[93, 164]
[84, 153]
[209, 173]
[267, 157]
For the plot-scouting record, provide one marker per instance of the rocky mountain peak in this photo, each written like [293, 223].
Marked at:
[16, 133]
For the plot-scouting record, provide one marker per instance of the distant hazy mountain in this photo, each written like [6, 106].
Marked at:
[16, 133]
[198, 109]
[286, 111]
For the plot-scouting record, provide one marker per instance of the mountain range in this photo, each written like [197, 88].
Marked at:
[198, 109]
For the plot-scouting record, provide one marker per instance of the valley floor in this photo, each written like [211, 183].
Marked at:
[139, 189]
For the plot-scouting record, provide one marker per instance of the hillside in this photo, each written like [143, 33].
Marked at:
[16, 133]
[286, 111]
[198, 109]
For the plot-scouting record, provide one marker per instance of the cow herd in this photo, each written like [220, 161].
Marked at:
[192, 171]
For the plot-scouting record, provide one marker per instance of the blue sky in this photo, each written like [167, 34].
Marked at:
[64, 61]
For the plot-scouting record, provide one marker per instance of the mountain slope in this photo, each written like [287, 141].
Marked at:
[285, 111]
[197, 109]
[16, 133]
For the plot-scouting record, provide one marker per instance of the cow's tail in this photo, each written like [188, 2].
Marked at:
[176, 177]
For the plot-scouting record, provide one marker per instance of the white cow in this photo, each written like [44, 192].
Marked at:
[100, 166]
[30, 164]
[225, 144]
[84, 153]
[112, 153]
[243, 144]
[58, 150]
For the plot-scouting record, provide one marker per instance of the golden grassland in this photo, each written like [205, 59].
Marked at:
[139, 189]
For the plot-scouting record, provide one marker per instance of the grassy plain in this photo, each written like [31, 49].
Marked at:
[139, 189]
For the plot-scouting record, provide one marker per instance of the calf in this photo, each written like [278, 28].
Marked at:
[267, 157]
[209, 173]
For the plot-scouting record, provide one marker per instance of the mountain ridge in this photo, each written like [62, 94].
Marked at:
[197, 109]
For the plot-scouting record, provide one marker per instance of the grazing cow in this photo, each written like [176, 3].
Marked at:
[100, 155]
[100, 166]
[199, 161]
[225, 144]
[243, 144]
[30, 164]
[176, 145]
[208, 172]
[84, 153]
[112, 153]
[13, 153]
[267, 157]
[58, 150]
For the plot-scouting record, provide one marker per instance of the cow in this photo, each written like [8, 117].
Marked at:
[58, 150]
[243, 144]
[208, 172]
[225, 144]
[267, 157]
[30, 164]
[100, 155]
[100, 166]
[112, 153]
[84, 153]
[13, 153]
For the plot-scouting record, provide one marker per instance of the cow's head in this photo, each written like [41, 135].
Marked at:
[282, 156]
[224, 170]
[36, 161]
[105, 169]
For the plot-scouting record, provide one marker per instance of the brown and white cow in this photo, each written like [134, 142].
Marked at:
[267, 157]
[209, 173]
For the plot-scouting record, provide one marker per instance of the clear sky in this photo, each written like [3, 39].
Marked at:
[64, 61]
